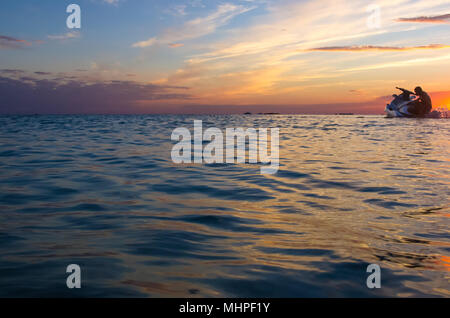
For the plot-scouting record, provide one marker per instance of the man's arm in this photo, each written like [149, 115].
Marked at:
[405, 90]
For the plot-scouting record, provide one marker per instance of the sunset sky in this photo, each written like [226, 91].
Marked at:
[194, 56]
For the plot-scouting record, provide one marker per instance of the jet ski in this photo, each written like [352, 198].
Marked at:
[400, 105]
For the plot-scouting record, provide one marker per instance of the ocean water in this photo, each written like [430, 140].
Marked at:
[103, 193]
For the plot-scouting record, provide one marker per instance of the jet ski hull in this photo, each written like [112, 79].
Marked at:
[399, 108]
[405, 114]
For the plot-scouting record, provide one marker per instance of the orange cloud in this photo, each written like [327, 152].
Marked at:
[174, 45]
[445, 18]
[7, 42]
[377, 48]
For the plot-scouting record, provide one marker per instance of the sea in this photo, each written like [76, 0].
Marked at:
[102, 192]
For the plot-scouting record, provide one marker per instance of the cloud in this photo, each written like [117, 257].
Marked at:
[444, 18]
[196, 3]
[112, 2]
[7, 42]
[358, 91]
[69, 95]
[66, 36]
[377, 48]
[177, 10]
[12, 71]
[72, 96]
[402, 63]
[145, 43]
[198, 27]
[266, 60]
[174, 45]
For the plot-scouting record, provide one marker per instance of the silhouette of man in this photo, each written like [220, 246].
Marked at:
[422, 105]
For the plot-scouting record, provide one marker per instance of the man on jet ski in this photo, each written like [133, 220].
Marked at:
[422, 105]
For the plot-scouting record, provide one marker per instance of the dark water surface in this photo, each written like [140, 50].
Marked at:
[102, 192]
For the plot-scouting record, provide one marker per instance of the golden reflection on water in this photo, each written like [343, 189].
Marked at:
[350, 191]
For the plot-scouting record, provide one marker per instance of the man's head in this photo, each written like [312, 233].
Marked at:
[418, 90]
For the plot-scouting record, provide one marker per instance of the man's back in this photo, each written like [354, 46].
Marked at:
[426, 100]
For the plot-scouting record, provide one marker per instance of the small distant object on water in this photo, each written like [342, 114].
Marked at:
[247, 113]
[345, 114]
[268, 113]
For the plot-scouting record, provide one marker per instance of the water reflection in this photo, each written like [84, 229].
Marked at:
[102, 192]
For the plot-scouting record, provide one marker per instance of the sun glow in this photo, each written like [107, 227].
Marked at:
[445, 103]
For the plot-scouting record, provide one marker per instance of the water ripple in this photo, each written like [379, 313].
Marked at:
[102, 192]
